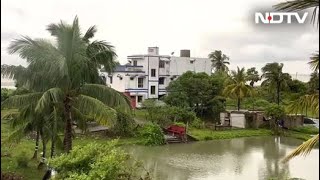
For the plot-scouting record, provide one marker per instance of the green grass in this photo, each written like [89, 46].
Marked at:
[297, 135]
[308, 129]
[9, 164]
[208, 134]
[140, 114]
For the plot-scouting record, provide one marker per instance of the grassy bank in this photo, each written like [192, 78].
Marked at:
[208, 134]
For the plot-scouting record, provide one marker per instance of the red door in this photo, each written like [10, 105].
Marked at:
[133, 101]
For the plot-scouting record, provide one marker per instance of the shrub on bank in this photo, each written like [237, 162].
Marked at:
[151, 134]
[96, 161]
[124, 125]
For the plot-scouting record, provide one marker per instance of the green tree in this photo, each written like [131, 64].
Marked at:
[253, 76]
[236, 87]
[66, 74]
[314, 63]
[195, 91]
[299, 5]
[313, 83]
[275, 113]
[275, 79]
[219, 61]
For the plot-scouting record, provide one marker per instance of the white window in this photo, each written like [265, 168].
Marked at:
[135, 63]
[139, 99]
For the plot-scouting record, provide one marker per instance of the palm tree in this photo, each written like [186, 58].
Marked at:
[66, 75]
[253, 76]
[311, 102]
[306, 147]
[314, 63]
[299, 5]
[237, 87]
[275, 78]
[219, 60]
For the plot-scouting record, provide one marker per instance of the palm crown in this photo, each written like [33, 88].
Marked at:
[64, 76]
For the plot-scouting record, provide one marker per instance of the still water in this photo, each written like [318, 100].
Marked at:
[238, 159]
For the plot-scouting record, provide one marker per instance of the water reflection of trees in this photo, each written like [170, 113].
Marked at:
[273, 154]
[181, 160]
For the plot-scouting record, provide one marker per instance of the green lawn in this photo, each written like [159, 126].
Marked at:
[208, 134]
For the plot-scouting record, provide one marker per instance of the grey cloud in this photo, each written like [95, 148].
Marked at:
[264, 46]
[8, 36]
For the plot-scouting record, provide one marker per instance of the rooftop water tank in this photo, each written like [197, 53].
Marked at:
[185, 53]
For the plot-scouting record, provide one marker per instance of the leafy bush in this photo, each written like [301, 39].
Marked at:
[165, 115]
[22, 160]
[124, 125]
[5, 93]
[152, 134]
[96, 161]
[180, 124]
[197, 123]
[275, 112]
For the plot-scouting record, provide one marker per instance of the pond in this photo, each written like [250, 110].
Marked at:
[241, 159]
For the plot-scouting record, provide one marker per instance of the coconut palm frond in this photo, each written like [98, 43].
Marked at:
[48, 98]
[102, 53]
[299, 5]
[303, 149]
[20, 101]
[95, 109]
[108, 96]
[314, 63]
[80, 119]
[17, 134]
[90, 33]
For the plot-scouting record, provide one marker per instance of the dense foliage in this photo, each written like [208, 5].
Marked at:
[166, 115]
[124, 124]
[151, 134]
[96, 161]
[198, 92]
[5, 93]
[275, 113]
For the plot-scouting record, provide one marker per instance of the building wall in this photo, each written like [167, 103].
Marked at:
[237, 120]
[173, 68]
[293, 121]
[180, 65]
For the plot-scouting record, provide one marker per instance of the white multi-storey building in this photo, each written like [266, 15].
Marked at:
[147, 76]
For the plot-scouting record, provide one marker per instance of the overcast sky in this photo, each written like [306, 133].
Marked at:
[201, 26]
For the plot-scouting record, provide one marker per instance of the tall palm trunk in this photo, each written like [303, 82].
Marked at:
[44, 149]
[35, 154]
[53, 138]
[67, 141]
[238, 104]
[52, 147]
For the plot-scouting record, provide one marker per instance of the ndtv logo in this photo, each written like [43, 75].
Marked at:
[269, 17]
